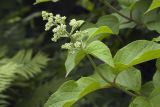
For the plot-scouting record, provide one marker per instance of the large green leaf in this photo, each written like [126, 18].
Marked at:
[110, 21]
[155, 4]
[72, 91]
[93, 32]
[136, 52]
[73, 59]
[127, 3]
[101, 51]
[156, 79]
[130, 79]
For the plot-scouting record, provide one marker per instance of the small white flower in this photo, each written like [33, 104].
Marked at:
[59, 31]
[75, 24]
[68, 46]
[44, 15]
[59, 19]
[55, 38]
[49, 17]
[48, 26]
[77, 34]
[77, 44]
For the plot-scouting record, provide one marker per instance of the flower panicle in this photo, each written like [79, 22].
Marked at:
[59, 28]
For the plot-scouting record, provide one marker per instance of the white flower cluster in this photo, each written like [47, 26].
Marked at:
[59, 30]
[52, 20]
[76, 24]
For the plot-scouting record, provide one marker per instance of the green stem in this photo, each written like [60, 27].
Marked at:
[113, 84]
[95, 67]
[124, 90]
[114, 9]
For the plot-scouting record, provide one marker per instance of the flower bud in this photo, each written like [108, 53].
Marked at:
[75, 24]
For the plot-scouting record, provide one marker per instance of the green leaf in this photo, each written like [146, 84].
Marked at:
[93, 32]
[156, 79]
[41, 1]
[107, 71]
[72, 91]
[155, 4]
[130, 79]
[101, 51]
[73, 59]
[140, 102]
[152, 101]
[110, 21]
[124, 23]
[151, 20]
[87, 25]
[155, 97]
[154, 25]
[136, 52]
[127, 3]
[147, 88]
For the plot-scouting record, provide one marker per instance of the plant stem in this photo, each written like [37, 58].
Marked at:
[95, 67]
[126, 91]
[113, 84]
[114, 9]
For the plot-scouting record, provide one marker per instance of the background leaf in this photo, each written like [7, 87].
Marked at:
[127, 3]
[110, 21]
